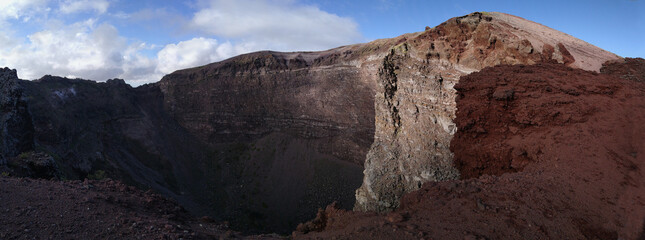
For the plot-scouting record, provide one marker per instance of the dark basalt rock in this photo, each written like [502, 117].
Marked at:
[34, 165]
[16, 131]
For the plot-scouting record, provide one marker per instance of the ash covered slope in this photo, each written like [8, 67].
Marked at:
[311, 95]
[415, 100]
[293, 128]
[109, 129]
[550, 152]
[107, 209]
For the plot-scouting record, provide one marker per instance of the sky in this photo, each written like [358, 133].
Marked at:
[141, 41]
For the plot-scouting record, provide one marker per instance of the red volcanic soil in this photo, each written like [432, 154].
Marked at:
[545, 152]
[627, 68]
[42, 209]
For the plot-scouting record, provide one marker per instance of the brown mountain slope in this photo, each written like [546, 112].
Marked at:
[548, 152]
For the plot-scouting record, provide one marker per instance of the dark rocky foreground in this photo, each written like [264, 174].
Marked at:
[105, 209]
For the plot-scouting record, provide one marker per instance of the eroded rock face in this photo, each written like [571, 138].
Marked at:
[119, 131]
[34, 165]
[16, 131]
[415, 102]
[289, 131]
[319, 95]
[561, 159]
[627, 68]
[261, 140]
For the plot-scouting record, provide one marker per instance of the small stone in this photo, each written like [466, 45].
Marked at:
[480, 204]
[470, 237]
[503, 94]
[207, 219]
[513, 129]
[394, 217]
[168, 227]
[480, 129]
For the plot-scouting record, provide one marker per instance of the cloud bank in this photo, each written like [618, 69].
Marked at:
[281, 25]
[17, 9]
[100, 6]
[217, 29]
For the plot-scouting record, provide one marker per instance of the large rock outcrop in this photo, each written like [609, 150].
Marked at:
[559, 158]
[415, 101]
[113, 130]
[16, 131]
[288, 132]
[314, 95]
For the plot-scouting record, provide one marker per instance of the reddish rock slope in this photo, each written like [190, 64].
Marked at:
[546, 152]
[414, 114]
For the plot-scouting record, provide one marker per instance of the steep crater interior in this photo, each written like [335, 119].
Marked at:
[263, 140]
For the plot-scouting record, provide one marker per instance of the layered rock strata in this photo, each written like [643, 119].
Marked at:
[415, 101]
[559, 156]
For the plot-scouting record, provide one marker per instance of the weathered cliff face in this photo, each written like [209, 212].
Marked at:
[289, 131]
[310, 95]
[16, 131]
[415, 101]
[72, 129]
[261, 140]
[112, 130]
[568, 143]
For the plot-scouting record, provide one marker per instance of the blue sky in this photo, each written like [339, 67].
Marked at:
[140, 41]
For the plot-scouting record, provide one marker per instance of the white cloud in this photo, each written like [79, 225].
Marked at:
[192, 53]
[90, 51]
[6, 41]
[137, 68]
[276, 25]
[73, 6]
[93, 49]
[81, 50]
[21, 9]
[121, 15]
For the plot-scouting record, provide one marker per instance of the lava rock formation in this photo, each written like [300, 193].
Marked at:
[264, 139]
